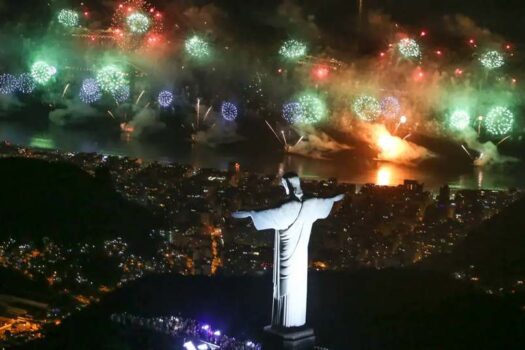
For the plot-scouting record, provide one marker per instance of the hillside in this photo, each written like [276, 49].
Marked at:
[62, 202]
[394, 309]
[15, 283]
[496, 249]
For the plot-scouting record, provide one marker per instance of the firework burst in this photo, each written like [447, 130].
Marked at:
[136, 23]
[499, 121]
[121, 94]
[8, 84]
[90, 91]
[367, 108]
[312, 107]
[165, 98]
[26, 83]
[229, 111]
[111, 79]
[292, 112]
[42, 72]
[68, 18]
[390, 107]
[459, 120]
[293, 49]
[492, 60]
[409, 48]
[197, 47]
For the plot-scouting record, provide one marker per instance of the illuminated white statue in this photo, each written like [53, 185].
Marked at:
[292, 222]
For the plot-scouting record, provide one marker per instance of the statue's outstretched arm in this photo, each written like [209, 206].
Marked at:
[242, 214]
[338, 197]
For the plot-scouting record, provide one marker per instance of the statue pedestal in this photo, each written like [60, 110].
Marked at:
[299, 338]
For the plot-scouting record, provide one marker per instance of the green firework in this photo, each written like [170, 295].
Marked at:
[111, 79]
[138, 23]
[492, 60]
[68, 18]
[42, 72]
[499, 121]
[197, 47]
[312, 107]
[293, 49]
[409, 48]
[459, 119]
[367, 108]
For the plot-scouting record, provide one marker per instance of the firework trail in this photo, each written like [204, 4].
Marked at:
[206, 114]
[198, 111]
[273, 131]
[467, 152]
[138, 98]
[65, 90]
[503, 140]
[284, 138]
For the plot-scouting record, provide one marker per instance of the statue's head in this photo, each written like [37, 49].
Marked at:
[292, 183]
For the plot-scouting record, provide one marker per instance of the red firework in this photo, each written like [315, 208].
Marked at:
[129, 40]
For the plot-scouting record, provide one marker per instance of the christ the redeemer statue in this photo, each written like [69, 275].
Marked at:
[292, 222]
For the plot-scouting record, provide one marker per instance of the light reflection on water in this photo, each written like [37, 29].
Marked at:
[391, 175]
[346, 169]
[384, 176]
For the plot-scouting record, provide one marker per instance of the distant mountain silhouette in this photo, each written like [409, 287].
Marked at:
[60, 201]
[496, 248]
[390, 309]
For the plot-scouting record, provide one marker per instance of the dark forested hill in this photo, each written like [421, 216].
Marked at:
[495, 250]
[390, 309]
[62, 202]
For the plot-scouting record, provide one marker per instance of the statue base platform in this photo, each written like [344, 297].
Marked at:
[297, 338]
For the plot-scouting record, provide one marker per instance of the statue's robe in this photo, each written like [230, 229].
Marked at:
[292, 222]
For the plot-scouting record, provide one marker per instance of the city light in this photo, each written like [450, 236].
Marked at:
[189, 346]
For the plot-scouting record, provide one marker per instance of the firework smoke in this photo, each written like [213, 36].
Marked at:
[316, 144]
